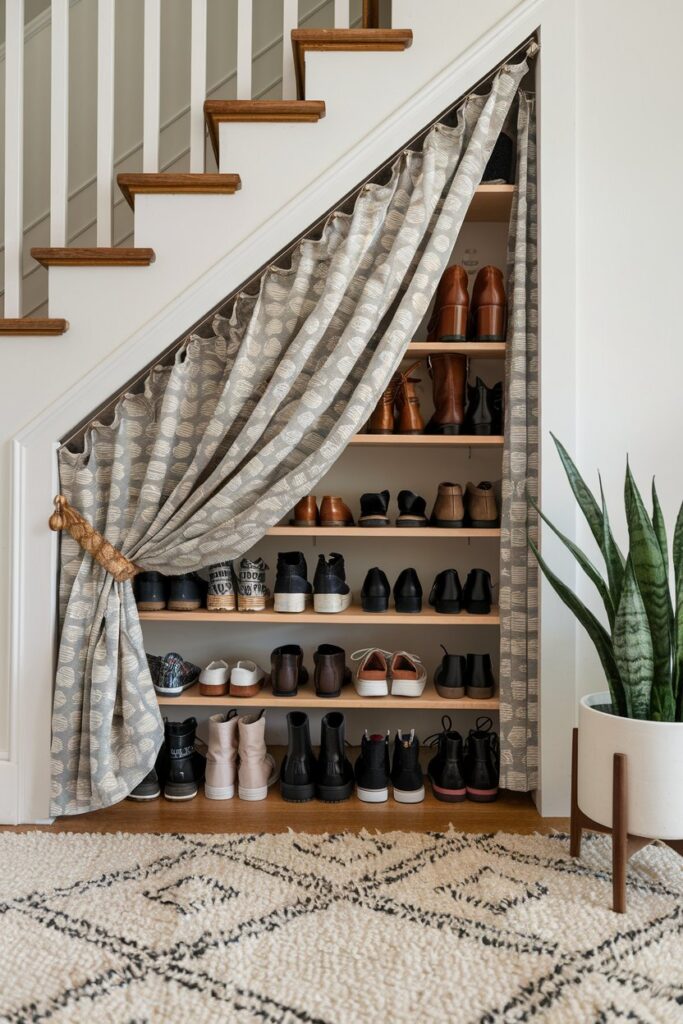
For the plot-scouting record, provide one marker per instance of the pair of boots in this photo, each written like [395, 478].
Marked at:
[465, 769]
[179, 766]
[456, 318]
[328, 777]
[237, 751]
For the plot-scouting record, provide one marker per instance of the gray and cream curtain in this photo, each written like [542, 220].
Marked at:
[220, 444]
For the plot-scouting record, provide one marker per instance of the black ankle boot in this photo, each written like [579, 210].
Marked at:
[480, 416]
[408, 592]
[479, 678]
[376, 590]
[150, 591]
[374, 509]
[447, 768]
[450, 676]
[496, 399]
[406, 773]
[186, 593]
[181, 779]
[482, 762]
[297, 772]
[412, 510]
[372, 769]
[446, 593]
[478, 597]
[334, 774]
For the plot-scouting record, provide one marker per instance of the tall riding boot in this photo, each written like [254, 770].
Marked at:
[409, 417]
[297, 772]
[449, 375]
[448, 322]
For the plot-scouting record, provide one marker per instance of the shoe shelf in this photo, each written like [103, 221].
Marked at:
[491, 203]
[354, 615]
[427, 440]
[471, 349]
[398, 533]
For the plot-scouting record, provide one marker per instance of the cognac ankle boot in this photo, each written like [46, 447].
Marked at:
[448, 322]
[488, 306]
[449, 374]
[382, 419]
[408, 416]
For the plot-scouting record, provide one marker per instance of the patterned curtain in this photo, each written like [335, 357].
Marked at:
[221, 444]
[518, 568]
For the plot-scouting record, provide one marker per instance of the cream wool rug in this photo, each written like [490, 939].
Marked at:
[334, 929]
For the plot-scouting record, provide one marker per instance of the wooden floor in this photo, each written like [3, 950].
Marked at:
[512, 812]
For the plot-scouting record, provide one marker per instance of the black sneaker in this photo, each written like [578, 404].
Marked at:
[373, 509]
[186, 593]
[447, 768]
[372, 769]
[479, 678]
[482, 761]
[334, 773]
[297, 772]
[412, 510]
[181, 779]
[150, 591]
[406, 773]
[478, 596]
[451, 675]
[446, 593]
[148, 789]
[376, 591]
[293, 592]
[408, 592]
[331, 591]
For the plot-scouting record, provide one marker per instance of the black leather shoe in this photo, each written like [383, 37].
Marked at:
[482, 762]
[496, 399]
[480, 682]
[186, 593]
[412, 510]
[478, 597]
[446, 593]
[373, 509]
[447, 768]
[181, 780]
[450, 676]
[480, 415]
[406, 773]
[408, 592]
[150, 591]
[148, 789]
[297, 772]
[334, 773]
[376, 590]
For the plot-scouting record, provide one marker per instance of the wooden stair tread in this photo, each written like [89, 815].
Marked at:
[293, 111]
[335, 39]
[33, 325]
[176, 184]
[95, 257]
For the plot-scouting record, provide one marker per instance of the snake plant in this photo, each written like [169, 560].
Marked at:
[641, 645]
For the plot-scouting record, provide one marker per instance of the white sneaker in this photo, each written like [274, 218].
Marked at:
[372, 674]
[213, 680]
[408, 675]
[246, 679]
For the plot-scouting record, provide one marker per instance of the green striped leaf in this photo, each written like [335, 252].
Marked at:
[659, 526]
[632, 644]
[595, 630]
[614, 560]
[677, 548]
[582, 493]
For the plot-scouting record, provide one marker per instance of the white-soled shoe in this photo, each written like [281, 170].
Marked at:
[246, 679]
[214, 679]
[372, 674]
[408, 675]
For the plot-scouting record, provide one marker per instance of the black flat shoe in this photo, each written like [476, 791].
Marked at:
[408, 592]
[376, 591]
[446, 593]
[412, 510]
[374, 508]
[478, 597]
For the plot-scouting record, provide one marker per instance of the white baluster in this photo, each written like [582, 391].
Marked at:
[152, 87]
[14, 155]
[244, 58]
[59, 125]
[341, 14]
[105, 119]
[290, 20]
[197, 85]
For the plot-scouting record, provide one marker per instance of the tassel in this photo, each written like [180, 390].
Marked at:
[91, 540]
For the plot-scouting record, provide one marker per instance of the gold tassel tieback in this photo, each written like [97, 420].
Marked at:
[91, 540]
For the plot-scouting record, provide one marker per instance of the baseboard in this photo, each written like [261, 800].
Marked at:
[9, 793]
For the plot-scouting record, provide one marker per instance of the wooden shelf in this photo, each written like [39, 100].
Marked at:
[471, 349]
[354, 615]
[491, 203]
[430, 440]
[397, 533]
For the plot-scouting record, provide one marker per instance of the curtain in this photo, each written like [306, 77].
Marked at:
[220, 445]
[518, 568]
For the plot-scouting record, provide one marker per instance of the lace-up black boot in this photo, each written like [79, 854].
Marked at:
[181, 780]
[372, 769]
[406, 773]
[482, 758]
[447, 768]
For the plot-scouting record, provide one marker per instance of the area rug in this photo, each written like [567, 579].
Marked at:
[334, 929]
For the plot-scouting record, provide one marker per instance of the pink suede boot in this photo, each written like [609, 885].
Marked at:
[221, 759]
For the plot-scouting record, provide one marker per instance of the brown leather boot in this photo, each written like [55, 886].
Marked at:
[488, 306]
[305, 512]
[448, 510]
[408, 416]
[448, 321]
[333, 512]
[382, 419]
[482, 510]
[449, 376]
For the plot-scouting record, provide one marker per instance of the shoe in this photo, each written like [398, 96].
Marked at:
[446, 769]
[331, 592]
[305, 512]
[496, 401]
[148, 789]
[298, 768]
[373, 509]
[449, 510]
[252, 592]
[181, 779]
[480, 502]
[449, 375]
[408, 592]
[221, 757]
[449, 319]
[382, 419]
[150, 592]
[481, 413]
[333, 512]
[330, 672]
[171, 675]
[500, 167]
[411, 510]
[221, 593]
[451, 675]
[408, 416]
[479, 678]
[477, 596]
[446, 594]
[287, 672]
[488, 307]
[406, 774]
[246, 679]
[334, 773]
[372, 674]
[408, 675]
[214, 680]
[293, 593]
[376, 591]
[372, 769]
[257, 770]
[482, 759]
[185, 592]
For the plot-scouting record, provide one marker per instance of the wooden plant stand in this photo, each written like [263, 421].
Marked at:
[624, 845]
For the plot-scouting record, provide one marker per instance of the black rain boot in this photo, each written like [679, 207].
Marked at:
[447, 768]
[406, 773]
[408, 592]
[412, 510]
[480, 416]
[334, 775]
[376, 591]
[373, 509]
[479, 679]
[446, 593]
[298, 769]
[449, 677]
[478, 597]
[150, 591]
[482, 756]
[372, 769]
[181, 781]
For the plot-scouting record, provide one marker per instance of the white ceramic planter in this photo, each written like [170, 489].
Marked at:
[654, 770]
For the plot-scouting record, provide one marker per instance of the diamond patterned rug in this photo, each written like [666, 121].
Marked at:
[334, 929]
